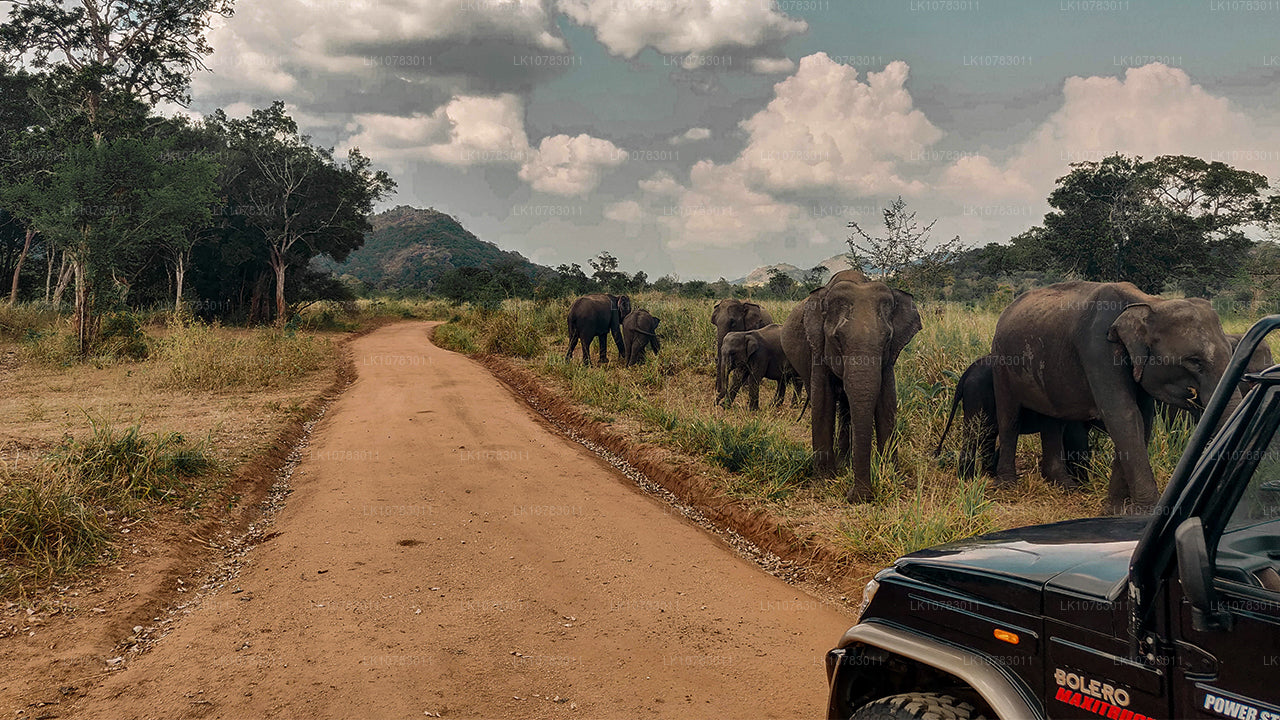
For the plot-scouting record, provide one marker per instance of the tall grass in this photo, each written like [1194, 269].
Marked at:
[196, 356]
[53, 516]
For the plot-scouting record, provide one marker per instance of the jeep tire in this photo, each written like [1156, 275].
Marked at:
[917, 706]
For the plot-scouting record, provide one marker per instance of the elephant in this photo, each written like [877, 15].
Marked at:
[732, 315]
[1087, 351]
[639, 330]
[754, 356]
[975, 394]
[594, 317]
[844, 340]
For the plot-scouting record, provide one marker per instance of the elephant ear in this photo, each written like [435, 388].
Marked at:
[905, 321]
[753, 344]
[815, 311]
[1130, 330]
[755, 316]
[655, 323]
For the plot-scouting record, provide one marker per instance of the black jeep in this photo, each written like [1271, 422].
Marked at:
[1171, 615]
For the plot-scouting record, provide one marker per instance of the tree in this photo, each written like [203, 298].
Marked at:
[813, 278]
[904, 255]
[112, 202]
[780, 284]
[1175, 219]
[101, 50]
[302, 201]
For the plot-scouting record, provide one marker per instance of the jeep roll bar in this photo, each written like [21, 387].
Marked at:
[1157, 545]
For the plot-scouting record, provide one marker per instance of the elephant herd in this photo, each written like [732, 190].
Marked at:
[1064, 359]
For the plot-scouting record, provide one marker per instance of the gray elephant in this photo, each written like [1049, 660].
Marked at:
[732, 315]
[844, 340]
[597, 316]
[639, 331]
[1105, 351]
[1260, 361]
[752, 357]
[975, 395]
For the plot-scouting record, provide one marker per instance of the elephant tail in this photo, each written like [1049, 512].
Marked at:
[955, 403]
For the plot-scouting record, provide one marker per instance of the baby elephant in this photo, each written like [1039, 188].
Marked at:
[752, 357]
[638, 332]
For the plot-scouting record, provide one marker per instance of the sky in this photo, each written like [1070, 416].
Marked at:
[704, 138]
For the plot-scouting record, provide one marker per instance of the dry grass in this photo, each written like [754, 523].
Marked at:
[130, 436]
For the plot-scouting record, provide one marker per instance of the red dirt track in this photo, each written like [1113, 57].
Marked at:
[444, 551]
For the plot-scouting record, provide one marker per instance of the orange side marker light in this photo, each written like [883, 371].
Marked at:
[1005, 635]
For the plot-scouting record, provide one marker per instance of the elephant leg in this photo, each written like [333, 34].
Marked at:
[985, 434]
[753, 391]
[886, 409]
[586, 351]
[822, 417]
[1007, 411]
[1075, 445]
[603, 339]
[781, 393]
[1053, 466]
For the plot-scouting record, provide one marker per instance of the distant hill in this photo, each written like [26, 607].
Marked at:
[760, 275]
[411, 248]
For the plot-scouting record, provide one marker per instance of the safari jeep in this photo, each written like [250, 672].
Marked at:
[1171, 615]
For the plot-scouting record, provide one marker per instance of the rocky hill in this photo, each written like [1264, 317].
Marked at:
[411, 248]
[760, 275]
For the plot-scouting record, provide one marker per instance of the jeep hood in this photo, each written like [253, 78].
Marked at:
[1013, 568]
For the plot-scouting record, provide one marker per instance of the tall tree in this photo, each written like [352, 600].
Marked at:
[1175, 219]
[111, 203]
[103, 50]
[302, 201]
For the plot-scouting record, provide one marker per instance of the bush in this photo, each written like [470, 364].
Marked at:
[117, 468]
[19, 322]
[52, 518]
[121, 336]
[47, 528]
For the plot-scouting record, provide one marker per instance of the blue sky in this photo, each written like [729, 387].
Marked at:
[706, 137]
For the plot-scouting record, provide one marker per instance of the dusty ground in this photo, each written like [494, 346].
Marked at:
[443, 552]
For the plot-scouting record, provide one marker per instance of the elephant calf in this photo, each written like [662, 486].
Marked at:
[639, 332]
[732, 315]
[1059, 439]
[597, 316]
[753, 357]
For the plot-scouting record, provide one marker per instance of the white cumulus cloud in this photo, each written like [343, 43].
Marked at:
[466, 131]
[681, 27]
[691, 135]
[565, 165]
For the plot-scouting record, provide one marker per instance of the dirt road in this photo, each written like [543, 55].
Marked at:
[444, 552]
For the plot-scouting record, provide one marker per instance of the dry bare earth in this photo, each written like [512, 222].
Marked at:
[445, 552]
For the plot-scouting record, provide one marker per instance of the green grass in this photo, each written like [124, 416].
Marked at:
[919, 500]
[53, 516]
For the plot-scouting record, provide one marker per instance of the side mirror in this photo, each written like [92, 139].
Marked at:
[1196, 574]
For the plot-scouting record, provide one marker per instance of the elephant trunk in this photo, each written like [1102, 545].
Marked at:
[862, 388]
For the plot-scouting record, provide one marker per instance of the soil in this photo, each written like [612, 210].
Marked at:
[447, 552]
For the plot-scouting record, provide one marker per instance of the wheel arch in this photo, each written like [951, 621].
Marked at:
[877, 654]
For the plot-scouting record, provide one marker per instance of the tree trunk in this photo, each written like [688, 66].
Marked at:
[83, 317]
[179, 272]
[278, 266]
[48, 273]
[64, 278]
[17, 270]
